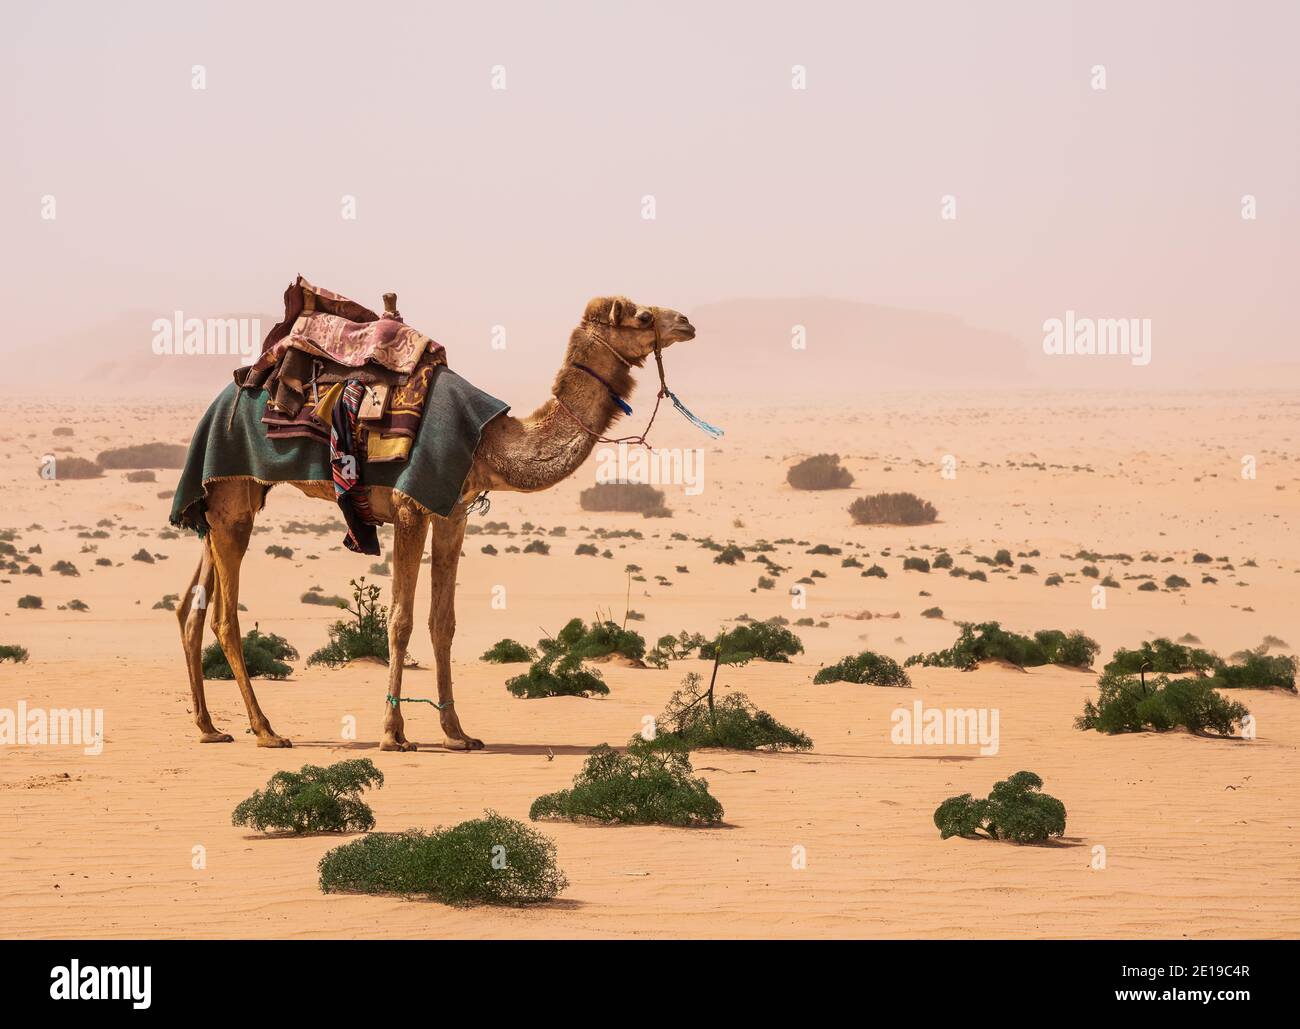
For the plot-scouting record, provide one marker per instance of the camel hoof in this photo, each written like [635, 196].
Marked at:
[274, 741]
[216, 737]
[465, 743]
[402, 746]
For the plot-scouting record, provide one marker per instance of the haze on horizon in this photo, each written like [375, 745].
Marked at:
[485, 206]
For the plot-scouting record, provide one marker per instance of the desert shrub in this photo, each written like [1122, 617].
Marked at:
[674, 648]
[275, 550]
[1148, 586]
[321, 600]
[142, 555]
[76, 605]
[732, 722]
[866, 668]
[557, 675]
[488, 860]
[30, 602]
[64, 568]
[989, 641]
[892, 509]
[1160, 656]
[143, 475]
[537, 547]
[932, 612]
[14, 653]
[144, 455]
[76, 468]
[599, 639]
[915, 564]
[1126, 703]
[505, 652]
[365, 636]
[1003, 557]
[1176, 582]
[729, 555]
[264, 657]
[587, 549]
[622, 496]
[313, 799]
[1256, 670]
[821, 471]
[653, 783]
[559, 672]
[875, 572]
[1014, 810]
[942, 560]
[762, 641]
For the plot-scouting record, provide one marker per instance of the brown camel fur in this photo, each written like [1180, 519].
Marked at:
[519, 455]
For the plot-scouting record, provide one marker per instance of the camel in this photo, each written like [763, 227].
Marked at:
[521, 455]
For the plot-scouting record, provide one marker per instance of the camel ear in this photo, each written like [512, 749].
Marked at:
[615, 312]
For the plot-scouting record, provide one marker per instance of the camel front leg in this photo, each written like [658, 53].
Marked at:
[410, 529]
[448, 535]
[229, 530]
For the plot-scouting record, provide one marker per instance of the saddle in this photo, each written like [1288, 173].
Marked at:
[327, 340]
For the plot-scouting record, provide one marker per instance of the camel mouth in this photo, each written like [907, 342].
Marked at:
[681, 333]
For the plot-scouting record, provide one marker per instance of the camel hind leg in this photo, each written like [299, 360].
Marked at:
[191, 614]
[448, 535]
[232, 506]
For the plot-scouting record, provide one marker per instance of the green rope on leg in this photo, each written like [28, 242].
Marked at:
[394, 701]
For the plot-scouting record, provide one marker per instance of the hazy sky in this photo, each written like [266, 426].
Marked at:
[483, 206]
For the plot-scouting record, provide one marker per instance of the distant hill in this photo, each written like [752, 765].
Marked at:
[850, 347]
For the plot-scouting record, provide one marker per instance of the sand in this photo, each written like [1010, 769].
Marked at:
[1199, 835]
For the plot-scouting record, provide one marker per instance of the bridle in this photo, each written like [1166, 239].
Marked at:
[640, 438]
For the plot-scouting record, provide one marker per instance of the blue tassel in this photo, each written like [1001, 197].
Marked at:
[699, 423]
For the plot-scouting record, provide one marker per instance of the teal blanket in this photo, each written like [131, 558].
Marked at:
[433, 476]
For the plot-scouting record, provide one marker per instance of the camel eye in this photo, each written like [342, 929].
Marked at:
[643, 318]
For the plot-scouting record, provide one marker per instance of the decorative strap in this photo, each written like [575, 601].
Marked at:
[624, 406]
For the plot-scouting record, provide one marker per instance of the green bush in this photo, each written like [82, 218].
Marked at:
[144, 455]
[867, 669]
[821, 471]
[674, 648]
[989, 641]
[275, 550]
[732, 723]
[16, 654]
[915, 564]
[314, 799]
[1256, 670]
[622, 496]
[506, 652]
[1014, 810]
[1126, 704]
[762, 641]
[264, 657]
[488, 860]
[30, 602]
[365, 636]
[651, 784]
[892, 509]
[1161, 656]
[729, 555]
[64, 568]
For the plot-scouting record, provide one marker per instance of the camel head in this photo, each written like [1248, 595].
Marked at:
[629, 327]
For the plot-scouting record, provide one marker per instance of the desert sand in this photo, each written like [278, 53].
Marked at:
[1200, 834]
